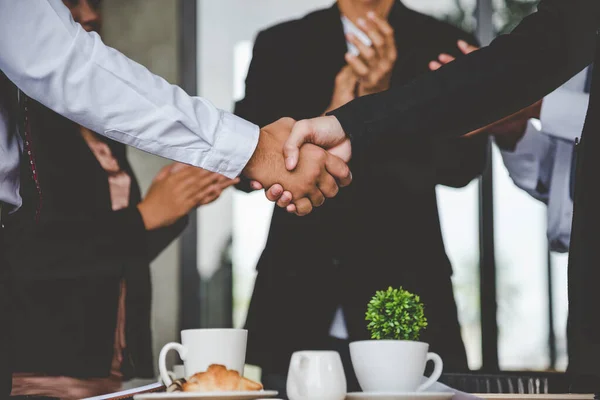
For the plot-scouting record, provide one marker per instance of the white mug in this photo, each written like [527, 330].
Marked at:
[201, 348]
[316, 375]
[395, 366]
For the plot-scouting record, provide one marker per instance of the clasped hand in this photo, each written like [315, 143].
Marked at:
[316, 174]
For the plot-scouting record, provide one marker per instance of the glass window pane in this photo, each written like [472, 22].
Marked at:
[458, 12]
[521, 272]
[459, 216]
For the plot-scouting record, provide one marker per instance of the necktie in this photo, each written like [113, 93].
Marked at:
[29, 148]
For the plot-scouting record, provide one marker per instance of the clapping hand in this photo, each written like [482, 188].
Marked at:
[176, 190]
[374, 64]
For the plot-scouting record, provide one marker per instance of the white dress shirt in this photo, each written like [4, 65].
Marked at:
[54, 61]
[541, 162]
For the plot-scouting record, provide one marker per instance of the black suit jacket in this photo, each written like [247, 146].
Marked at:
[353, 245]
[516, 70]
[68, 267]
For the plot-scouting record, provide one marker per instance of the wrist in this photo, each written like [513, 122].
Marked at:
[150, 221]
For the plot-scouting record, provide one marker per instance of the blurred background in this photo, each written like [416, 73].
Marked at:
[510, 290]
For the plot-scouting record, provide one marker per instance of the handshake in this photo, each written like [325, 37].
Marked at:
[300, 164]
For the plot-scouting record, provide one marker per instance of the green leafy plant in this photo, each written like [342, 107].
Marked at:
[395, 314]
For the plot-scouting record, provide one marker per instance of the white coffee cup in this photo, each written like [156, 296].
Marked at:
[316, 375]
[393, 366]
[201, 348]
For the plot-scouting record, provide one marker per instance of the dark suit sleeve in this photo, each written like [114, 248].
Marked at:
[457, 161]
[516, 70]
[102, 244]
[158, 239]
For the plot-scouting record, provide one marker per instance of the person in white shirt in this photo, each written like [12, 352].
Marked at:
[538, 148]
[50, 58]
[53, 60]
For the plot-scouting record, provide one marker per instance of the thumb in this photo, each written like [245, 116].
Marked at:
[301, 133]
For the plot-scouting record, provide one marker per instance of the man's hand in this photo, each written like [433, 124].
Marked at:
[176, 190]
[374, 65]
[444, 58]
[316, 173]
[344, 90]
[507, 131]
[325, 132]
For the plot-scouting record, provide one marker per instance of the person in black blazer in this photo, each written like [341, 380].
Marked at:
[353, 246]
[81, 290]
[515, 71]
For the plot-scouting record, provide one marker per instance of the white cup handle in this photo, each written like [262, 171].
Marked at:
[162, 361]
[437, 371]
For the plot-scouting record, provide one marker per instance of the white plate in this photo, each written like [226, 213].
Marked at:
[399, 396]
[251, 395]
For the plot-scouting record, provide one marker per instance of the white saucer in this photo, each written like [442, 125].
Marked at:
[399, 396]
[251, 395]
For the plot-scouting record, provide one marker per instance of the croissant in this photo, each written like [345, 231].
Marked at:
[219, 379]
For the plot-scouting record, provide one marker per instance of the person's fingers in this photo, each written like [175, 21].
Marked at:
[285, 200]
[382, 24]
[163, 173]
[328, 186]
[435, 65]
[466, 48]
[177, 166]
[255, 185]
[326, 132]
[274, 192]
[386, 31]
[317, 198]
[358, 66]
[367, 54]
[339, 170]
[303, 207]
[228, 183]
[291, 209]
[446, 58]
[373, 32]
[302, 132]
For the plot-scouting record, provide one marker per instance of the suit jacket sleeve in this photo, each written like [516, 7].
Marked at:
[104, 244]
[457, 161]
[516, 70]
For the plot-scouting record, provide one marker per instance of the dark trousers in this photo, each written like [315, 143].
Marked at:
[277, 380]
[5, 342]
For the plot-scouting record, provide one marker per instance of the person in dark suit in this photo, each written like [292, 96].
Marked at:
[81, 288]
[468, 95]
[354, 246]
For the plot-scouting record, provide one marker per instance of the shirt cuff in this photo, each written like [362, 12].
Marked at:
[527, 162]
[235, 142]
[563, 113]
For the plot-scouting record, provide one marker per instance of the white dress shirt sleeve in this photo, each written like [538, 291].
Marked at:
[530, 164]
[563, 113]
[53, 60]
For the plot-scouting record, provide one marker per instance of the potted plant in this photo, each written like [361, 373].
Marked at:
[395, 314]
[394, 359]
